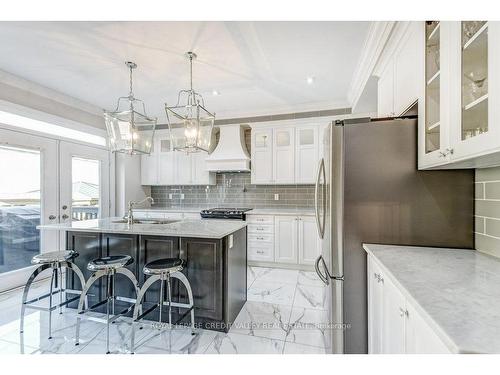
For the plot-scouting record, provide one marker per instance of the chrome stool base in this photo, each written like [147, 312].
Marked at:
[57, 264]
[164, 278]
[111, 317]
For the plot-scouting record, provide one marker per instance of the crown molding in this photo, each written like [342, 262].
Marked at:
[374, 45]
[43, 91]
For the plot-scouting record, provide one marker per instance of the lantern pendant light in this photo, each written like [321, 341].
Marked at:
[129, 130]
[191, 115]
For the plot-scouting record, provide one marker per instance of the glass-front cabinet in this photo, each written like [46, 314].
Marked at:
[432, 86]
[474, 50]
[462, 82]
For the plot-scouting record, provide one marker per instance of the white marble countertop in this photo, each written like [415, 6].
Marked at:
[255, 211]
[457, 291]
[183, 228]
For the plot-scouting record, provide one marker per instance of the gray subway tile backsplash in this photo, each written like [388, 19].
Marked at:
[487, 211]
[234, 189]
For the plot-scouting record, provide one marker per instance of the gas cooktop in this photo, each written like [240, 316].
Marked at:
[237, 213]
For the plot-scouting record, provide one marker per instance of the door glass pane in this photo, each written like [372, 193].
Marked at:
[474, 78]
[432, 88]
[85, 193]
[283, 138]
[306, 137]
[19, 207]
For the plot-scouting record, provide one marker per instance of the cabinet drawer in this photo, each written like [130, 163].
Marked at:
[259, 238]
[261, 251]
[260, 219]
[260, 228]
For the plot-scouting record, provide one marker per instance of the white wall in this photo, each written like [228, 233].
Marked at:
[128, 182]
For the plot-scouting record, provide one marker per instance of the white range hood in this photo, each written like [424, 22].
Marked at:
[231, 154]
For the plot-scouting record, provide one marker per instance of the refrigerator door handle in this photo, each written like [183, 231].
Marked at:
[323, 278]
[319, 225]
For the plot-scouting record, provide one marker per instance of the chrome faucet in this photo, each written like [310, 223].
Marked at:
[131, 204]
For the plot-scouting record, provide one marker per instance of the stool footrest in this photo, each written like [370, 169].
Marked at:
[40, 308]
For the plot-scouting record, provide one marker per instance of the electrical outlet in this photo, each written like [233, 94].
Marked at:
[170, 196]
[276, 197]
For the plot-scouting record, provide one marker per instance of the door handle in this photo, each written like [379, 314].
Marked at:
[65, 216]
[320, 275]
[321, 169]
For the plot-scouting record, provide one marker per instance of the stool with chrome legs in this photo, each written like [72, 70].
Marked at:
[163, 270]
[55, 260]
[107, 267]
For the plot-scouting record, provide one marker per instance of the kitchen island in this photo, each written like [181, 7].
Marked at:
[215, 252]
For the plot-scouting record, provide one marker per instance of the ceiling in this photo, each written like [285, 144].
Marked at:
[257, 67]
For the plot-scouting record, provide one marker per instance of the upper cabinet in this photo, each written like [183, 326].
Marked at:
[459, 128]
[398, 87]
[164, 166]
[285, 152]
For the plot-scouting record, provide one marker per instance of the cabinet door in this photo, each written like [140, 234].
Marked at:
[284, 155]
[385, 103]
[375, 306]
[166, 161]
[420, 338]
[200, 175]
[309, 245]
[262, 156]
[434, 115]
[149, 167]
[306, 154]
[476, 57]
[393, 322]
[183, 168]
[285, 239]
[406, 64]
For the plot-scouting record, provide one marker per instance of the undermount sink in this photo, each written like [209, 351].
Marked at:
[145, 221]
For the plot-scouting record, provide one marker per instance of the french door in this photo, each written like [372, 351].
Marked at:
[28, 198]
[45, 181]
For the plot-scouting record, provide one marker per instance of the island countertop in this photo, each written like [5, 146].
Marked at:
[456, 291]
[183, 228]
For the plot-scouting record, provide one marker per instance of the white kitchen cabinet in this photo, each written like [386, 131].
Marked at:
[164, 166]
[461, 129]
[385, 91]
[375, 310]
[420, 338]
[394, 325]
[285, 239]
[166, 161]
[149, 167]
[393, 319]
[262, 156]
[306, 154]
[284, 155]
[308, 240]
[285, 152]
[399, 85]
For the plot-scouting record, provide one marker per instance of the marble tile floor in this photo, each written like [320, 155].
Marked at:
[283, 315]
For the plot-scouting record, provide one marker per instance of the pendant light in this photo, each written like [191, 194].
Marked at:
[191, 115]
[129, 130]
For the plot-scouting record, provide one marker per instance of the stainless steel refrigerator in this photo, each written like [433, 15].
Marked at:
[369, 190]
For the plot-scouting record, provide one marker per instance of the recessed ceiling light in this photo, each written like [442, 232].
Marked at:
[310, 80]
[215, 93]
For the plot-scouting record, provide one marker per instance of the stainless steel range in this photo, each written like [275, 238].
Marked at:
[224, 213]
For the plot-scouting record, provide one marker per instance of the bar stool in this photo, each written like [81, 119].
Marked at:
[163, 270]
[55, 260]
[107, 267]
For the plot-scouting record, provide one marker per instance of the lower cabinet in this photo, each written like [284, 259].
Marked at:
[283, 239]
[394, 325]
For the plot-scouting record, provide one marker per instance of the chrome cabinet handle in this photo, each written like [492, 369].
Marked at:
[320, 275]
[65, 216]
[52, 217]
[403, 312]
